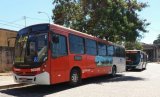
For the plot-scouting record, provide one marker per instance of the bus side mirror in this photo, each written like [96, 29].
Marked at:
[55, 39]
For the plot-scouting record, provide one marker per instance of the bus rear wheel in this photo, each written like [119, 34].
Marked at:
[75, 77]
[145, 66]
[113, 74]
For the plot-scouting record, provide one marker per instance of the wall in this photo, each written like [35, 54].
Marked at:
[153, 52]
[6, 53]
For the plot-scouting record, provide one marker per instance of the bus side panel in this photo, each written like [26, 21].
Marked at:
[102, 70]
[120, 64]
[48, 65]
[103, 65]
[90, 66]
[123, 67]
[77, 60]
[59, 69]
[60, 65]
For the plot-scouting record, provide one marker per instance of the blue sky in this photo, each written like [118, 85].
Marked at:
[152, 15]
[12, 14]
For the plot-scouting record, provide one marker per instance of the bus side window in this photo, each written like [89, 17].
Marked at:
[102, 49]
[58, 45]
[117, 51]
[122, 52]
[110, 50]
[90, 47]
[76, 44]
[55, 39]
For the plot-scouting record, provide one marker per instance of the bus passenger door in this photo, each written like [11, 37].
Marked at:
[59, 58]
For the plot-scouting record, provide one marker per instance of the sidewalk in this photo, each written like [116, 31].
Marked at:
[7, 81]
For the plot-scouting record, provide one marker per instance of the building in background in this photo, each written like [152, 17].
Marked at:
[6, 52]
[153, 52]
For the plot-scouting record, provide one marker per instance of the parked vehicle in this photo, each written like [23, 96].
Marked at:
[49, 54]
[136, 59]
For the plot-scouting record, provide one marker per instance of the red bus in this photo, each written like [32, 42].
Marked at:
[49, 54]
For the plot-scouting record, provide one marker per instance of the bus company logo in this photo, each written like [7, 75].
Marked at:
[24, 73]
[86, 70]
[35, 69]
[15, 69]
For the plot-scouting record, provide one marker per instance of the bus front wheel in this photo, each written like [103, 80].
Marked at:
[75, 77]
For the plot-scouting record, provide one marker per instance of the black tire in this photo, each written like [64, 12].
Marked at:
[127, 69]
[145, 67]
[114, 70]
[75, 77]
[142, 68]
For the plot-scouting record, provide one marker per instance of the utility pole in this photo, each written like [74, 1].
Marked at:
[46, 15]
[24, 21]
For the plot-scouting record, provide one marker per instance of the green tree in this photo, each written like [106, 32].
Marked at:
[68, 13]
[133, 45]
[114, 20]
[157, 41]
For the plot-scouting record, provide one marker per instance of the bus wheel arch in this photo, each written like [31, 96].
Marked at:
[75, 76]
[114, 71]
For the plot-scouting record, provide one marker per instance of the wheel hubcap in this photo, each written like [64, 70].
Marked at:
[75, 77]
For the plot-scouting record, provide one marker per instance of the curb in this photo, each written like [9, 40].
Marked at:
[1, 74]
[11, 86]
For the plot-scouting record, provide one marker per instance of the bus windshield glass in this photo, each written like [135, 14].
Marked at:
[20, 48]
[32, 48]
[133, 58]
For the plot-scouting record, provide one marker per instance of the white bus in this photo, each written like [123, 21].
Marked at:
[136, 59]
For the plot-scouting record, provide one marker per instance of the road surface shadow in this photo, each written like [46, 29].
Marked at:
[42, 90]
[108, 79]
[135, 70]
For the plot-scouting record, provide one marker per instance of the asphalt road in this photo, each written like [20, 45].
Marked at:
[128, 84]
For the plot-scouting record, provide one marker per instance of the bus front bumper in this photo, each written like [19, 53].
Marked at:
[41, 79]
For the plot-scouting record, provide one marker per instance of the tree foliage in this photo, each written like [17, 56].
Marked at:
[157, 41]
[68, 13]
[133, 45]
[113, 20]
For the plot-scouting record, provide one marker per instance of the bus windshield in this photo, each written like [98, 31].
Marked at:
[31, 48]
[20, 48]
[133, 58]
